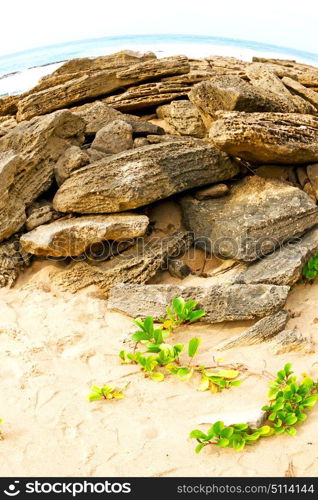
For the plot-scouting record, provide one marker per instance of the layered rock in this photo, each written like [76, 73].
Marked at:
[267, 138]
[136, 265]
[220, 302]
[289, 341]
[39, 213]
[28, 154]
[255, 218]
[142, 176]
[263, 330]
[71, 237]
[95, 84]
[184, 117]
[72, 159]
[115, 137]
[301, 90]
[12, 262]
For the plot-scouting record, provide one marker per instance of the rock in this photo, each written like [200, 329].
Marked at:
[282, 138]
[284, 266]
[260, 332]
[70, 237]
[158, 139]
[95, 155]
[309, 190]
[12, 262]
[178, 269]
[312, 172]
[184, 117]
[215, 191]
[39, 213]
[28, 154]
[261, 76]
[115, 137]
[231, 93]
[141, 176]
[140, 141]
[220, 302]
[254, 219]
[6, 124]
[8, 105]
[291, 340]
[274, 172]
[301, 175]
[148, 95]
[95, 84]
[137, 265]
[98, 114]
[72, 159]
[254, 418]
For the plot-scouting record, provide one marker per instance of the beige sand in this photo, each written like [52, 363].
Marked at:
[54, 346]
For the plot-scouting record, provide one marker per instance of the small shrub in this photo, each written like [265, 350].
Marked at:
[182, 312]
[105, 392]
[310, 269]
[289, 400]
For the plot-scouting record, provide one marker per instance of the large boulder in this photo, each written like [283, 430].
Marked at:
[97, 83]
[70, 237]
[72, 159]
[220, 302]
[267, 138]
[115, 137]
[255, 218]
[28, 154]
[183, 117]
[143, 175]
[136, 265]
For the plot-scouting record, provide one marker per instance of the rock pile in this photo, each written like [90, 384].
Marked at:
[241, 139]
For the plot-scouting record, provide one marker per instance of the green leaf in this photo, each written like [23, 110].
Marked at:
[291, 431]
[193, 346]
[287, 369]
[199, 447]
[229, 374]
[157, 376]
[291, 419]
[235, 383]
[218, 427]
[310, 402]
[139, 336]
[227, 432]
[178, 305]
[223, 443]
[139, 322]
[195, 315]
[148, 324]
[184, 373]
[197, 434]
[204, 384]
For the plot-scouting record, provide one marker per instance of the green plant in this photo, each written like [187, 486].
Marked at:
[218, 381]
[105, 392]
[232, 436]
[148, 332]
[289, 400]
[310, 269]
[182, 312]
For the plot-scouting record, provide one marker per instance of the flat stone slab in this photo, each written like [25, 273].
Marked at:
[220, 302]
[255, 218]
[73, 236]
[141, 176]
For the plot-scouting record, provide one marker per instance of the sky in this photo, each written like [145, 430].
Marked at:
[35, 23]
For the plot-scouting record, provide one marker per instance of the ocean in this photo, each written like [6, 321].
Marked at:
[22, 70]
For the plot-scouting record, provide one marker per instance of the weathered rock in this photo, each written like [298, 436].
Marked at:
[95, 155]
[96, 84]
[70, 237]
[215, 191]
[140, 176]
[254, 219]
[12, 262]
[280, 138]
[308, 189]
[6, 124]
[274, 172]
[159, 139]
[301, 175]
[231, 93]
[178, 269]
[115, 137]
[39, 213]
[8, 105]
[263, 330]
[140, 141]
[72, 159]
[137, 265]
[220, 302]
[312, 172]
[98, 114]
[291, 340]
[148, 95]
[184, 117]
[284, 266]
[28, 154]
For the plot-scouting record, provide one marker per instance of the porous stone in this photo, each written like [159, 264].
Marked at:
[289, 341]
[255, 218]
[267, 138]
[40, 212]
[136, 265]
[178, 269]
[141, 176]
[28, 154]
[72, 159]
[263, 330]
[220, 302]
[184, 117]
[215, 191]
[70, 237]
[115, 137]
[12, 262]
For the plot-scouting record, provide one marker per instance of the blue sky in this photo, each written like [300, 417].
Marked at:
[34, 23]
